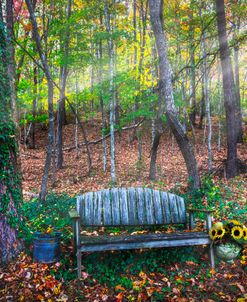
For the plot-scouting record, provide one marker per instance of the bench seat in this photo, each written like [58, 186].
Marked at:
[142, 241]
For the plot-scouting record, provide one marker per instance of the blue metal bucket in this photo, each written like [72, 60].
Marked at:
[46, 247]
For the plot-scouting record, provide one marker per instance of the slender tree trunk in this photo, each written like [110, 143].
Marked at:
[104, 145]
[50, 146]
[192, 114]
[230, 98]
[239, 128]
[202, 106]
[10, 178]
[112, 105]
[166, 92]
[206, 94]
[34, 105]
[76, 119]
[11, 51]
[61, 117]
[219, 109]
[157, 127]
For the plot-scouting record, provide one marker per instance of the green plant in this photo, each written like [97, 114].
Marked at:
[207, 196]
[53, 214]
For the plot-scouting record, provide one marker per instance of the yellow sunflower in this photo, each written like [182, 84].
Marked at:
[220, 233]
[245, 233]
[235, 222]
[213, 233]
[237, 232]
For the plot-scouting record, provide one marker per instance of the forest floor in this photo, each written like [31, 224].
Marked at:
[180, 275]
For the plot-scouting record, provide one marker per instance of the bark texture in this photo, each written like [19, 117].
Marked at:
[10, 180]
[230, 98]
[166, 92]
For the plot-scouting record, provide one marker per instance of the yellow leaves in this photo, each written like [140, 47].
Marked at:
[184, 6]
[49, 230]
[119, 288]
[185, 26]
[212, 271]
[243, 260]
[57, 289]
[197, 30]
[21, 298]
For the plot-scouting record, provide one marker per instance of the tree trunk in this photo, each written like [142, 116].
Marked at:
[166, 92]
[192, 114]
[154, 150]
[50, 147]
[100, 75]
[10, 179]
[112, 105]
[230, 98]
[11, 52]
[61, 116]
[239, 128]
[219, 109]
[34, 105]
[206, 94]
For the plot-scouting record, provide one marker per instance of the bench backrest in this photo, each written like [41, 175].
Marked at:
[130, 206]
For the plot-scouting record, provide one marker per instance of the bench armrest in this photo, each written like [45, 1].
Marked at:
[75, 227]
[208, 217]
[73, 214]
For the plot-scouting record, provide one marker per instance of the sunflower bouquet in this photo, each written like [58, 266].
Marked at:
[229, 231]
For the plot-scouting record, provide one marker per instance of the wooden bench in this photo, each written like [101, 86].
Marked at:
[134, 207]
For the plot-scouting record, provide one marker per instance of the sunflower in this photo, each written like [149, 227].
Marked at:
[220, 233]
[213, 233]
[245, 233]
[235, 222]
[237, 232]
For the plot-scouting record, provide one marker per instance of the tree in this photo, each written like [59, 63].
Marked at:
[166, 92]
[10, 179]
[112, 94]
[43, 58]
[230, 97]
[61, 118]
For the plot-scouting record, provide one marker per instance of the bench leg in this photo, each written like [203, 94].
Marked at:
[78, 264]
[211, 256]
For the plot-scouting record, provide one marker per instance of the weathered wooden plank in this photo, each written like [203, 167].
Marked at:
[173, 208]
[103, 239]
[143, 245]
[141, 206]
[96, 221]
[115, 206]
[149, 206]
[158, 213]
[80, 205]
[124, 212]
[165, 207]
[88, 209]
[132, 202]
[181, 209]
[107, 213]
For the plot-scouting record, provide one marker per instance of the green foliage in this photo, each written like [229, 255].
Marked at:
[207, 196]
[218, 197]
[112, 267]
[53, 213]
[29, 118]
